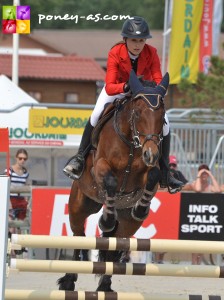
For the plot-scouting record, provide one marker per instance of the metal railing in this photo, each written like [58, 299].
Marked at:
[22, 224]
[197, 138]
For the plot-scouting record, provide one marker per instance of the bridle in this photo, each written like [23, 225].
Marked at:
[156, 138]
[135, 142]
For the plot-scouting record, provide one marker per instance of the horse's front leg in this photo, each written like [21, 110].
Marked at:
[141, 209]
[108, 219]
[108, 184]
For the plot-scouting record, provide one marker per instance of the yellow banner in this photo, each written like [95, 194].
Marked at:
[60, 121]
[185, 38]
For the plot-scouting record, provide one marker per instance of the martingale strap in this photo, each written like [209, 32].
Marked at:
[117, 130]
[131, 154]
[128, 169]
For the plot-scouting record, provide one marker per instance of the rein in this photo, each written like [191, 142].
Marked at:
[127, 142]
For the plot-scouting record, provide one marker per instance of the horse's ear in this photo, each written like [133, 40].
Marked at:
[162, 87]
[135, 84]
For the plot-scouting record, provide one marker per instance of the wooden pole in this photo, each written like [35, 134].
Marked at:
[154, 245]
[109, 268]
[78, 295]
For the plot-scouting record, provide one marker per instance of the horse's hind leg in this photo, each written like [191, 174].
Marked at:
[79, 209]
[106, 256]
[67, 282]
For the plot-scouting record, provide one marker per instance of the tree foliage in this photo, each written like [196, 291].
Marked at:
[208, 90]
[151, 10]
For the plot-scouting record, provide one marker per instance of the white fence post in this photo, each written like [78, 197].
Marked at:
[4, 207]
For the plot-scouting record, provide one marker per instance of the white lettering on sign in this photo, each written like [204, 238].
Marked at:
[59, 218]
[202, 219]
[212, 209]
[201, 228]
[92, 224]
[150, 231]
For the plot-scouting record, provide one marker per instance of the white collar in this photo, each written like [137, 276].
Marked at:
[133, 56]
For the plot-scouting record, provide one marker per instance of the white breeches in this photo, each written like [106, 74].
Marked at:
[104, 99]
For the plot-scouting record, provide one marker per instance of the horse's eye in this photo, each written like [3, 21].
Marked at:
[137, 114]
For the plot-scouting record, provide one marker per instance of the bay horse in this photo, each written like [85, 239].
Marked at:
[122, 173]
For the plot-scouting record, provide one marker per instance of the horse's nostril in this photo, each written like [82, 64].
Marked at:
[146, 155]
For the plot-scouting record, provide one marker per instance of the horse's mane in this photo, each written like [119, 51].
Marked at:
[147, 83]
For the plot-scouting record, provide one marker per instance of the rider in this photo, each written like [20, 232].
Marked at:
[131, 53]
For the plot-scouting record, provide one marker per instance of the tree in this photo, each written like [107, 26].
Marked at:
[151, 10]
[208, 90]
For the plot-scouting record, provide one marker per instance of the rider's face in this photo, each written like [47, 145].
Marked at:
[135, 46]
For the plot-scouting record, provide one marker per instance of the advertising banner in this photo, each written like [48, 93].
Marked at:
[51, 207]
[186, 216]
[206, 36]
[58, 121]
[20, 136]
[185, 40]
[201, 217]
[216, 25]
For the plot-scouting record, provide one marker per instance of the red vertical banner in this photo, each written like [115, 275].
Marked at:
[4, 145]
[206, 36]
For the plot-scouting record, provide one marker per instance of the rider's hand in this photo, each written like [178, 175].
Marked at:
[126, 87]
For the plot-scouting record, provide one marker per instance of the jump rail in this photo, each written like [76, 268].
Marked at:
[110, 268]
[67, 295]
[132, 244]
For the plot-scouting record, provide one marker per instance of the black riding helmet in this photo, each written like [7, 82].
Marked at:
[137, 27]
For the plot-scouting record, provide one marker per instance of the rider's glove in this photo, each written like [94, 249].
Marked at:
[126, 87]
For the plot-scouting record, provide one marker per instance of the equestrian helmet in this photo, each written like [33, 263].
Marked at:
[137, 27]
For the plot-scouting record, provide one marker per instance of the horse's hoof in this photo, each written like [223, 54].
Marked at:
[67, 283]
[102, 288]
[139, 216]
[104, 225]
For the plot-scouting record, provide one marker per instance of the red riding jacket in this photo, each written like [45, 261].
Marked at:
[119, 67]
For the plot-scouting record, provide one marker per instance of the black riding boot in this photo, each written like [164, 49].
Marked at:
[167, 180]
[75, 169]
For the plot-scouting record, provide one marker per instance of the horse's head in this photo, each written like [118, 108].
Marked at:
[147, 117]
